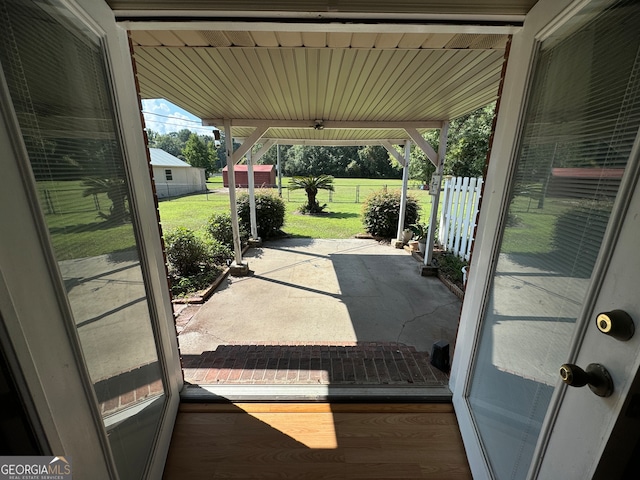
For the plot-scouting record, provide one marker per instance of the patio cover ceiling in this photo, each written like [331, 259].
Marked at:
[324, 80]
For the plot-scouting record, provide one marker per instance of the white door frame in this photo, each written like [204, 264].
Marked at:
[128, 110]
[48, 352]
[543, 19]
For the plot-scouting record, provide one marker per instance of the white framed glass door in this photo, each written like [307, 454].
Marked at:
[573, 164]
[69, 105]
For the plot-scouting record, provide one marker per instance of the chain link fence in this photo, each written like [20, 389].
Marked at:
[349, 193]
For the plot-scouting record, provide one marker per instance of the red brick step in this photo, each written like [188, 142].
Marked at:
[361, 363]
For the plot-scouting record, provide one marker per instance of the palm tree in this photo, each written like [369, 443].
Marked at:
[116, 190]
[311, 184]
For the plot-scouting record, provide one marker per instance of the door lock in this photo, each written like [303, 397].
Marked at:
[617, 324]
[595, 375]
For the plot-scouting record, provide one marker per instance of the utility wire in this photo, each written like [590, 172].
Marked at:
[170, 116]
[185, 120]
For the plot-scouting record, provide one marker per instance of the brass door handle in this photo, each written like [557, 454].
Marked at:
[595, 375]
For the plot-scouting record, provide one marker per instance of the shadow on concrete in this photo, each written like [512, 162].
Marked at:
[381, 363]
[350, 294]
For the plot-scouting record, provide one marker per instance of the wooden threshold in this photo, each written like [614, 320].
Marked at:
[316, 441]
[316, 408]
[316, 393]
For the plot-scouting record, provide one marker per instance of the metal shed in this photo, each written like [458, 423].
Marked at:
[263, 175]
[173, 177]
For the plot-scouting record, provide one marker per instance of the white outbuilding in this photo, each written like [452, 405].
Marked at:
[174, 177]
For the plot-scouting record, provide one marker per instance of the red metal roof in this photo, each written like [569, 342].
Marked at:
[256, 168]
[588, 172]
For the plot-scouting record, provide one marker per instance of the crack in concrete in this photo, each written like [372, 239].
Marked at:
[221, 340]
[406, 322]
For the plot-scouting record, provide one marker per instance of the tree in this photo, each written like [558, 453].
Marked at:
[345, 161]
[311, 161]
[222, 149]
[420, 167]
[152, 136]
[99, 166]
[311, 185]
[169, 143]
[216, 164]
[467, 147]
[375, 163]
[197, 154]
[176, 143]
[116, 190]
[184, 134]
[468, 143]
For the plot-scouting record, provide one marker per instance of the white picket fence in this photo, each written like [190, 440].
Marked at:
[460, 200]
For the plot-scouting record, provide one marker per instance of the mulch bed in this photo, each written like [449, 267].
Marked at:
[455, 288]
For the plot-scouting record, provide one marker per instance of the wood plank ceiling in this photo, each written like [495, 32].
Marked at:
[347, 76]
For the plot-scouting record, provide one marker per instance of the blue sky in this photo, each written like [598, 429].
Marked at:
[162, 116]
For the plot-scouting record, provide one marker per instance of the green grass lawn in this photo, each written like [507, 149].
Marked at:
[75, 226]
[531, 229]
[78, 231]
[191, 211]
[343, 218]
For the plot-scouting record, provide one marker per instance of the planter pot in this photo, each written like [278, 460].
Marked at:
[422, 246]
[406, 235]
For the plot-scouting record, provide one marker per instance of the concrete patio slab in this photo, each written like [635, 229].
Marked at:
[309, 291]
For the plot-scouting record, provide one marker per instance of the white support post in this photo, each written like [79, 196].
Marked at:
[237, 267]
[279, 167]
[403, 198]
[252, 198]
[435, 199]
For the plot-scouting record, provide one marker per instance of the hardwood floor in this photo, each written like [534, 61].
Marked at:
[316, 441]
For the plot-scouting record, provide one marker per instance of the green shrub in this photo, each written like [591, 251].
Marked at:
[182, 286]
[270, 211]
[381, 212]
[450, 266]
[219, 228]
[194, 263]
[187, 254]
[218, 252]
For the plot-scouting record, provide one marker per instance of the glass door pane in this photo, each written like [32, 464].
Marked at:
[60, 86]
[582, 118]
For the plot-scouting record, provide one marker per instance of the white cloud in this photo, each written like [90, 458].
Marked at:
[163, 117]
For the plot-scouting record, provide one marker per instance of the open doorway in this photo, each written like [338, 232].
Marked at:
[315, 311]
[315, 100]
[322, 312]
